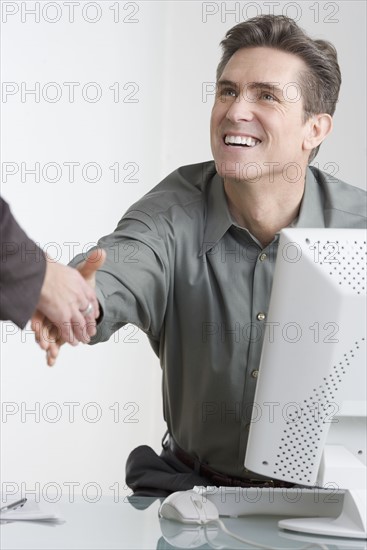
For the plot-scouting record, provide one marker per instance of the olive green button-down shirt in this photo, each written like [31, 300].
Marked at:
[179, 268]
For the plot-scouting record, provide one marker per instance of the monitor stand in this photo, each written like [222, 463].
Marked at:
[342, 469]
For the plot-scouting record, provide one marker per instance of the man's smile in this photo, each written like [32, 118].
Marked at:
[241, 141]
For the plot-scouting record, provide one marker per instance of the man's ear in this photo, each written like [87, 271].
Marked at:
[317, 128]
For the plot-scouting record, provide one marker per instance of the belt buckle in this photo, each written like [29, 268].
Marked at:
[262, 483]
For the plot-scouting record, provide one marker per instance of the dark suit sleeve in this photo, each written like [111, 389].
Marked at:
[22, 266]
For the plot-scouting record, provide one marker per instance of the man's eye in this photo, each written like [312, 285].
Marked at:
[267, 96]
[228, 92]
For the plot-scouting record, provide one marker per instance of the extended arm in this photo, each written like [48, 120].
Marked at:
[131, 285]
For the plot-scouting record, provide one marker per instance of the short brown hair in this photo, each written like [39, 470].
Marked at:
[319, 85]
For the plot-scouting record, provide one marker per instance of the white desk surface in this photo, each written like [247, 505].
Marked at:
[110, 525]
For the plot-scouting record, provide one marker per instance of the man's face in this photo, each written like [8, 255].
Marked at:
[258, 97]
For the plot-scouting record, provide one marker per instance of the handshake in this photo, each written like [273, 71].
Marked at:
[68, 309]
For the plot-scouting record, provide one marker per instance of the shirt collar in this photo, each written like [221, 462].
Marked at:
[311, 212]
[219, 220]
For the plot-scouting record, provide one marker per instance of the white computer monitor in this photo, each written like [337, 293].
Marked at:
[309, 417]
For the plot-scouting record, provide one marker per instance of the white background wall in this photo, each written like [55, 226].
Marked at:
[167, 51]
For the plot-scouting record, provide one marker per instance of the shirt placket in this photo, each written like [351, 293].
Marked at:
[262, 283]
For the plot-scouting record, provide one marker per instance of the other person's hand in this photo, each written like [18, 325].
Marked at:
[68, 307]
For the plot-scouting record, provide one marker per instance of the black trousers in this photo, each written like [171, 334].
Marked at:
[150, 475]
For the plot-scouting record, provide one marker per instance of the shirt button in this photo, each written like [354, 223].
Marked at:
[255, 373]
[261, 316]
[263, 257]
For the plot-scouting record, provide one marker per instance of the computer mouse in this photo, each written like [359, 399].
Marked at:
[188, 507]
[189, 535]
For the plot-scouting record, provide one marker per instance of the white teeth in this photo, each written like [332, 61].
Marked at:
[241, 140]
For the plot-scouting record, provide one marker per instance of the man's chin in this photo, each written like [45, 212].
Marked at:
[237, 172]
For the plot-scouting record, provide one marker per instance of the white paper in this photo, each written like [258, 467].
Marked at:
[30, 511]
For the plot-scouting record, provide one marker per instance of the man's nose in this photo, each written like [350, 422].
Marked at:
[242, 108]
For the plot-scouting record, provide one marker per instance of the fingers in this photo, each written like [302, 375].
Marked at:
[37, 322]
[52, 353]
[94, 314]
[47, 334]
[82, 328]
[79, 329]
[92, 263]
[85, 326]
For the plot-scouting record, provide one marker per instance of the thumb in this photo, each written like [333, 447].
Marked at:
[92, 263]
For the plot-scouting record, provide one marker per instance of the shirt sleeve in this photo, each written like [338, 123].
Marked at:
[132, 285]
[23, 267]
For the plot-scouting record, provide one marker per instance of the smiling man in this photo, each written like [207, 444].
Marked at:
[261, 138]
[204, 244]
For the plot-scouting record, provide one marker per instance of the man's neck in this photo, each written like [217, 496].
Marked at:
[264, 208]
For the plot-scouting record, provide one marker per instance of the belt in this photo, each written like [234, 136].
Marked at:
[218, 479]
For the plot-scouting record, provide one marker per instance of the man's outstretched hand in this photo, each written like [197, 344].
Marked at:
[65, 294]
